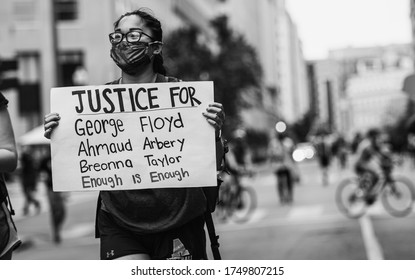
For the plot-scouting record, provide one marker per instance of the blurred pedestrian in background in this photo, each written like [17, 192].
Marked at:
[323, 150]
[240, 149]
[410, 129]
[151, 223]
[356, 141]
[8, 162]
[236, 164]
[29, 176]
[339, 149]
[56, 199]
[286, 171]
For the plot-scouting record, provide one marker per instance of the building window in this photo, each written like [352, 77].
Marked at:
[66, 10]
[70, 63]
[29, 85]
[24, 10]
[29, 67]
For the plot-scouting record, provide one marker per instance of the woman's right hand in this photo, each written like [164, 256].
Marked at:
[51, 121]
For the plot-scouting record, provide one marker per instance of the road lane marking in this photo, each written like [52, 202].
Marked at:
[373, 248]
[376, 210]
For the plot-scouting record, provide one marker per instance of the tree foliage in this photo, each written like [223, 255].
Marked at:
[398, 133]
[303, 126]
[234, 69]
[236, 66]
[185, 57]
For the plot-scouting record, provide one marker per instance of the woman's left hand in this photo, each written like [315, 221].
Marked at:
[215, 116]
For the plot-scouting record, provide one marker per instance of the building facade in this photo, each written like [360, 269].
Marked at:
[372, 80]
[412, 18]
[268, 27]
[78, 39]
[325, 88]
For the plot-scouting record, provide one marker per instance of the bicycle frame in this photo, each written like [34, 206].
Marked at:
[386, 180]
[355, 194]
[237, 200]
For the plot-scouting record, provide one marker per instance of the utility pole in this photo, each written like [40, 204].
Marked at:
[55, 44]
[412, 18]
[49, 54]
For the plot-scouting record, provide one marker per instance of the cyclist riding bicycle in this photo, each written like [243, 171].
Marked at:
[237, 161]
[373, 160]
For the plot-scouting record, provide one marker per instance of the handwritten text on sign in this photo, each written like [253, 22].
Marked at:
[133, 136]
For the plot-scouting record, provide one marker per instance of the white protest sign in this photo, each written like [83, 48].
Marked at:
[133, 136]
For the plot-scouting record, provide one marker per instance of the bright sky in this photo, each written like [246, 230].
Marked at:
[333, 24]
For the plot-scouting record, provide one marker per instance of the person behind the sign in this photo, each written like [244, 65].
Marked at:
[29, 176]
[152, 223]
[57, 204]
[8, 163]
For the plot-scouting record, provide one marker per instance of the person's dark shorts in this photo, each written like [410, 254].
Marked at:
[185, 242]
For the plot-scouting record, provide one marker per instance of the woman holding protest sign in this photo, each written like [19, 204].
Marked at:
[8, 163]
[152, 223]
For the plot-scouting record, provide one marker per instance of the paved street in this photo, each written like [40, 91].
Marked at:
[35, 230]
[311, 229]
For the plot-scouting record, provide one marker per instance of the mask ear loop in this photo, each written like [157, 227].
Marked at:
[156, 42]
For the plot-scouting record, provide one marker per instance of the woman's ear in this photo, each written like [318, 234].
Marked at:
[158, 48]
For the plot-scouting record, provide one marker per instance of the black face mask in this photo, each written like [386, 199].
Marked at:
[131, 57]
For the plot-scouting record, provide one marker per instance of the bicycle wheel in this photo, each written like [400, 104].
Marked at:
[350, 199]
[398, 197]
[245, 206]
[222, 210]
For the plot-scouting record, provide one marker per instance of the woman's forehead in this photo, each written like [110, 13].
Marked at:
[129, 22]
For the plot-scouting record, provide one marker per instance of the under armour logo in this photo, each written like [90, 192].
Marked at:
[179, 251]
[110, 254]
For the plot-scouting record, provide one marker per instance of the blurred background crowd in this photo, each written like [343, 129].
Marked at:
[252, 50]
